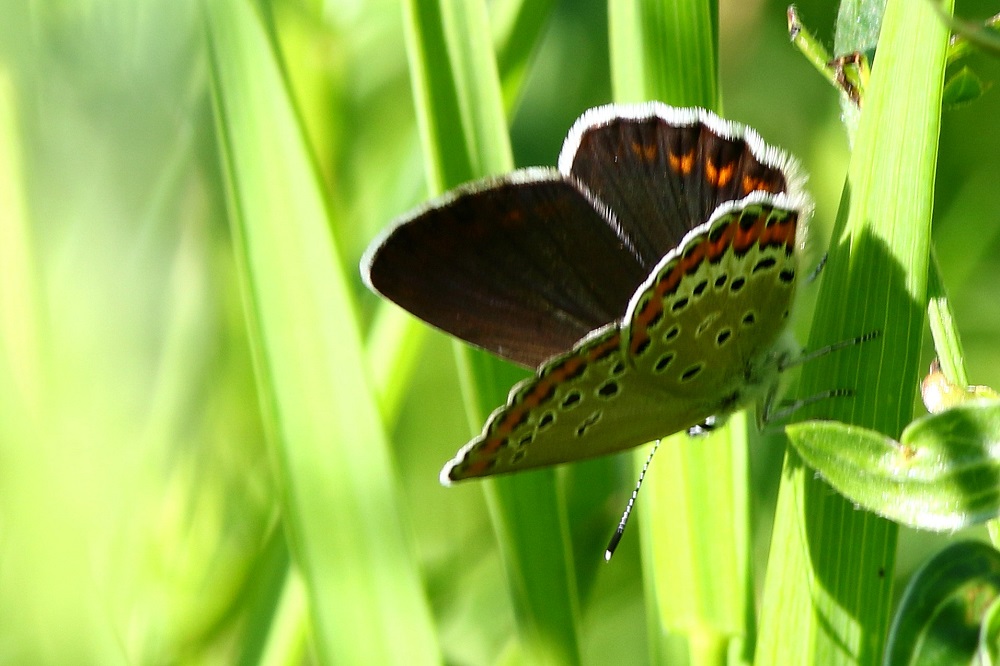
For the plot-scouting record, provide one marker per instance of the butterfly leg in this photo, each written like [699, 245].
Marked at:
[786, 363]
[769, 415]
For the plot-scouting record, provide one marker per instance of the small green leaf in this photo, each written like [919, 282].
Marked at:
[942, 475]
[963, 87]
[943, 607]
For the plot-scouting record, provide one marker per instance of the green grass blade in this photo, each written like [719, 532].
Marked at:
[517, 27]
[828, 589]
[462, 123]
[944, 329]
[343, 519]
[20, 306]
[665, 51]
[460, 111]
[694, 511]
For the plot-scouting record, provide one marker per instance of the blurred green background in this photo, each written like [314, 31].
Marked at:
[139, 511]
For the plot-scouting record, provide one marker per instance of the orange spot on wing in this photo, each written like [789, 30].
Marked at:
[646, 152]
[733, 235]
[718, 247]
[782, 233]
[476, 467]
[543, 390]
[605, 348]
[693, 258]
[750, 184]
[682, 163]
[745, 238]
[718, 177]
[639, 338]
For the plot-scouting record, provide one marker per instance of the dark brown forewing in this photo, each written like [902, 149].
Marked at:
[663, 176]
[523, 265]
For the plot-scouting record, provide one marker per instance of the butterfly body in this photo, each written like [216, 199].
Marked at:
[649, 280]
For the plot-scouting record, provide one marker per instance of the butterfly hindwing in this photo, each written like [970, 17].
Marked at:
[585, 403]
[708, 321]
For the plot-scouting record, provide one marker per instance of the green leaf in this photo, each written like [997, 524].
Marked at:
[944, 474]
[345, 523]
[942, 609]
[963, 87]
[517, 28]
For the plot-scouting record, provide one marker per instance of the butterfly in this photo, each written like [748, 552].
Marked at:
[648, 281]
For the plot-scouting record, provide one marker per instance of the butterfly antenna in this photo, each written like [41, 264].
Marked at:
[613, 544]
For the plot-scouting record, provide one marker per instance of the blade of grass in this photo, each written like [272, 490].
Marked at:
[944, 329]
[20, 308]
[344, 523]
[828, 590]
[464, 133]
[695, 512]
[665, 51]
[517, 26]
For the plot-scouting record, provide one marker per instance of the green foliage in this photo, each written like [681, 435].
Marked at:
[217, 447]
[947, 614]
[942, 475]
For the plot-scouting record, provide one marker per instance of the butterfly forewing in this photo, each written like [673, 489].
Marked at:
[523, 266]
